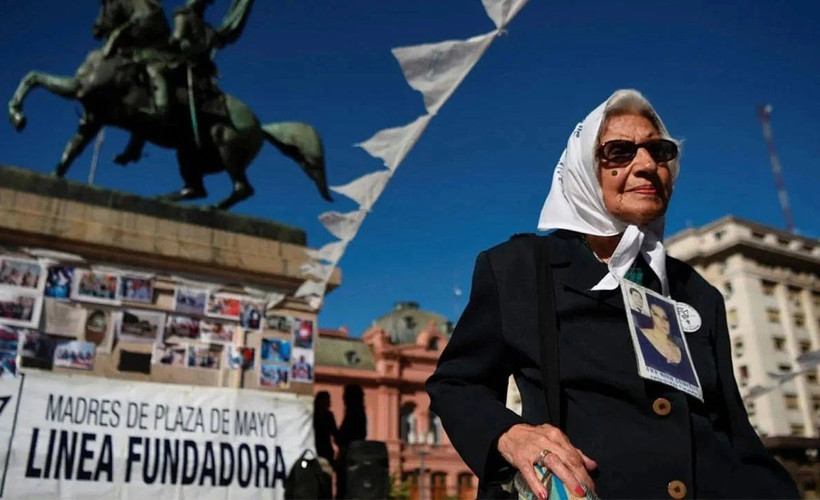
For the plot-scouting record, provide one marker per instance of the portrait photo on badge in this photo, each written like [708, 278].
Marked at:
[660, 346]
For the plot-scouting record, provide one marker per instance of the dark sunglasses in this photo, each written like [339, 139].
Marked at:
[621, 152]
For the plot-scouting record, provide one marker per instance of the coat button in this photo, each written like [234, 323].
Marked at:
[676, 489]
[662, 407]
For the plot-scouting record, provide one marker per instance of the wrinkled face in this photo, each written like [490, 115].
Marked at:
[660, 320]
[638, 192]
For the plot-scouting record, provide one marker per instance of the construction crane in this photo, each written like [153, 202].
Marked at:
[764, 112]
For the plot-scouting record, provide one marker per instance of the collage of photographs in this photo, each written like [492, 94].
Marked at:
[57, 315]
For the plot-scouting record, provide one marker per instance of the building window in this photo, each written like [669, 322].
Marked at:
[791, 401]
[719, 235]
[436, 430]
[737, 348]
[750, 408]
[768, 287]
[805, 346]
[799, 320]
[727, 289]
[758, 236]
[811, 377]
[407, 422]
[773, 315]
[779, 343]
[815, 403]
[409, 322]
[784, 368]
[466, 490]
[783, 241]
[743, 370]
[797, 429]
[439, 480]
[732, 317]
[794, 296]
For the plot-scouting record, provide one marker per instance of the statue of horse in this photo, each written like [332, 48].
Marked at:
[210, 130]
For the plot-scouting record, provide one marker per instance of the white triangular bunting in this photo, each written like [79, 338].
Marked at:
[436, 69]
[309, 288]
[366, 189]
[330, 252]
[273, 300]
[317, 270]
[502, 11]
[343, 226]
[315, 302]
[391, 145]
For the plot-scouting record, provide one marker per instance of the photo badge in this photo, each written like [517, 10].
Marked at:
[657, 335]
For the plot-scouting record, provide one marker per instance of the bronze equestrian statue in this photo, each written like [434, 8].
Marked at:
[159, 84]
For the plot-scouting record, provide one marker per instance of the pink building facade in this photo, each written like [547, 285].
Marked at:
[391, 362]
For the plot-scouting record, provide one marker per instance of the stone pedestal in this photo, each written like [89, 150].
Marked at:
[172, 242]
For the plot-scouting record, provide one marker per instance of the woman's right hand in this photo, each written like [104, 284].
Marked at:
[522, 446]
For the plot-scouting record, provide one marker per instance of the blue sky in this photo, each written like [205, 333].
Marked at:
[482, 168]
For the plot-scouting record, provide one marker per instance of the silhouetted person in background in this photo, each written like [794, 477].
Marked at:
[353, 428]
[324, 425]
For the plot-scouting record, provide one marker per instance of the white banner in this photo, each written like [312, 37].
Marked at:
[366, 189]
[391, 145]
[437, 69]
[502, 11]
[89, 437]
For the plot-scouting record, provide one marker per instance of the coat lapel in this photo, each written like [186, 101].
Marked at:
[575, 270]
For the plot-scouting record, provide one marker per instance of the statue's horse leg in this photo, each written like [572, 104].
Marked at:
[86, 130]
[63, 86]
[190, 168]
[238, 144]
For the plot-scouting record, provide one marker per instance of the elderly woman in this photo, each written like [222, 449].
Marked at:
[587, 415]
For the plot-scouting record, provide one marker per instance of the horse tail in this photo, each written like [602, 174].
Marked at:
[300, 142]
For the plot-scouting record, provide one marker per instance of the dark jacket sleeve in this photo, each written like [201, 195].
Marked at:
[468, 388]
[764, 477]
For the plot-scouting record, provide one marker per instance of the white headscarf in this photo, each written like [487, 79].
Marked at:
[575, 201]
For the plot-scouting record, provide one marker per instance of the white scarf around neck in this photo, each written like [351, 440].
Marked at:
[575, 201]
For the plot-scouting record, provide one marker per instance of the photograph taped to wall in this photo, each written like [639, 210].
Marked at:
[280, 323]
[303, 333]
[224, 305]
[10, 337]
[181, 328]
[205, 356]
[21, 273]
[95, 286]
[275, 351]
[99, 329]
[274, 375]
[137, 289]
[251, 313]
[217, 331]
[58, 282]
[170, 354]
[136, 325]
[660, 345]
[63, 318]
[37, 350]
[74, 354]
[20, 308]
[239, 358]
[190, 300]
[302, 369]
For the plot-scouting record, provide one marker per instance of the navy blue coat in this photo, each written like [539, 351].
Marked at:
[606, 408]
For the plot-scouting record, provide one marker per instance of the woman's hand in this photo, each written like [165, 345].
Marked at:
[523, 445]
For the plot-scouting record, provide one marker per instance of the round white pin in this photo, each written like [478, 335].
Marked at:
[689, 318]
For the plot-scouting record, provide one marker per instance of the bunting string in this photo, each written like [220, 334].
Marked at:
[433, 69]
